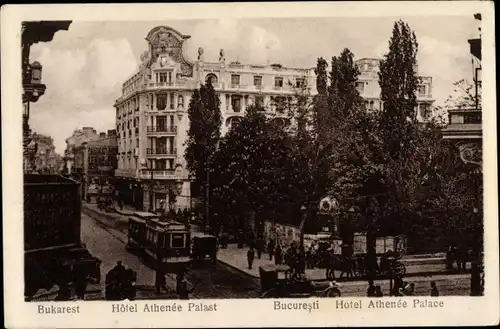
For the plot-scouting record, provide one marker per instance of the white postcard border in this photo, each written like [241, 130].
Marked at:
[458, 311]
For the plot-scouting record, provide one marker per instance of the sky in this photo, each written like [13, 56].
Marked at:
[84, 67]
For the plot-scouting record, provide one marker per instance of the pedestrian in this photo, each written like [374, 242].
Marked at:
[278, 255]
[183, 291]
[434, 289]
[179, 279]
[371, 291]
[80, 283]
[260, 246]
[160, 282]
[129, 287]
[270, 249]
[378, 292]
[450, 258]
[250, 257]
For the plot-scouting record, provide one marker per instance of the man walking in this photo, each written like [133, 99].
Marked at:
[250, 257]
[270, 249]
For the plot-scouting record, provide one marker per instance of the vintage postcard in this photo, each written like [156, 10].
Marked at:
[249, 165]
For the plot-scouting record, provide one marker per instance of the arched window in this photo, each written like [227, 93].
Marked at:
[212, 78]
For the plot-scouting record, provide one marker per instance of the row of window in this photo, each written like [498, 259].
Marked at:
[280, 102]
[422, 90]
[127, 107]
[257, 80]
[159, 164]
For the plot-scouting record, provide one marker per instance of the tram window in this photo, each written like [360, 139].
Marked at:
[177, 240]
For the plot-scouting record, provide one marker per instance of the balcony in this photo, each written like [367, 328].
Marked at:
[160, 152]
[159, 130]
[157, 174]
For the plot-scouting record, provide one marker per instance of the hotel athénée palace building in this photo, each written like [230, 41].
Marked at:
[152, 120]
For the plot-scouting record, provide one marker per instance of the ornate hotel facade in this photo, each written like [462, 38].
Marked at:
[152, 120]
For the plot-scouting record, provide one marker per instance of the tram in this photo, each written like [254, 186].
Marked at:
[167, 243]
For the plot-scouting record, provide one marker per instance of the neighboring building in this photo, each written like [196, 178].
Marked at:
[465, 124]
[369, 88]
[96, 161]
[151, 117]
[46, 161]
[80, 136]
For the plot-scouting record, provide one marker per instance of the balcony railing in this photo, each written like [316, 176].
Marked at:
[161, 129]
[157, 173]
[162, 151]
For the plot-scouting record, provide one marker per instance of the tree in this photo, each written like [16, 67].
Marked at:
[204, 133]
[243, 159]
[464, 96]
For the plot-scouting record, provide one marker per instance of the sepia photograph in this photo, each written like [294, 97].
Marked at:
[291, 159]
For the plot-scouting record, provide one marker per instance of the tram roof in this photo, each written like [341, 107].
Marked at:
[145, 214]
[201, 235]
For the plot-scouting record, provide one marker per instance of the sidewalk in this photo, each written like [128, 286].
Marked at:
[118, 221]
[237, 258]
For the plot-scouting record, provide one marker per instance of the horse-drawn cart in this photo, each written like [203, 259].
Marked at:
[276, 281]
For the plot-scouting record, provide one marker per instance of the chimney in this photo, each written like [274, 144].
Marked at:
[102, 135]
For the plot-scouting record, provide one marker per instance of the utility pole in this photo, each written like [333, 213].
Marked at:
[207, 200]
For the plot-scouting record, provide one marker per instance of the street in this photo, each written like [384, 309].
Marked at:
[221, 280]
[218, 281]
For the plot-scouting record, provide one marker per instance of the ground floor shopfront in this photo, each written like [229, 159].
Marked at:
[152, 195]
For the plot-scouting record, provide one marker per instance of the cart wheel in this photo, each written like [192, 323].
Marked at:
[332, 293]
[271, 293]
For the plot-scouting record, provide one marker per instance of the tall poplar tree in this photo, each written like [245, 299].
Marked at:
[204, 133]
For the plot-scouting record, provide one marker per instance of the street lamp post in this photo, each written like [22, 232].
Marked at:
[303, 212]
[144, 164]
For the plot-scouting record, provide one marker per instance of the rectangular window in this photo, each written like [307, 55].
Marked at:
[235, 80]
[163, 77]
[177, 240]
[236, 103]
[257, 81]
[161, 164]
[278, 82]
[172, 102]
[361, 87]
[421, 90]
[300, 82]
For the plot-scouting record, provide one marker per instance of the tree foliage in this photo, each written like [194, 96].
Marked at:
[204, 132]
[398, 172]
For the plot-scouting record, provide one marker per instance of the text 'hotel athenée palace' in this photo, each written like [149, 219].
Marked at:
[152, 120]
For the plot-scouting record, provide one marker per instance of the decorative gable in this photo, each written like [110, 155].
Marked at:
[165, 49]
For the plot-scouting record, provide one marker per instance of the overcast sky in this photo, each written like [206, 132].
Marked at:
[85, 66]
